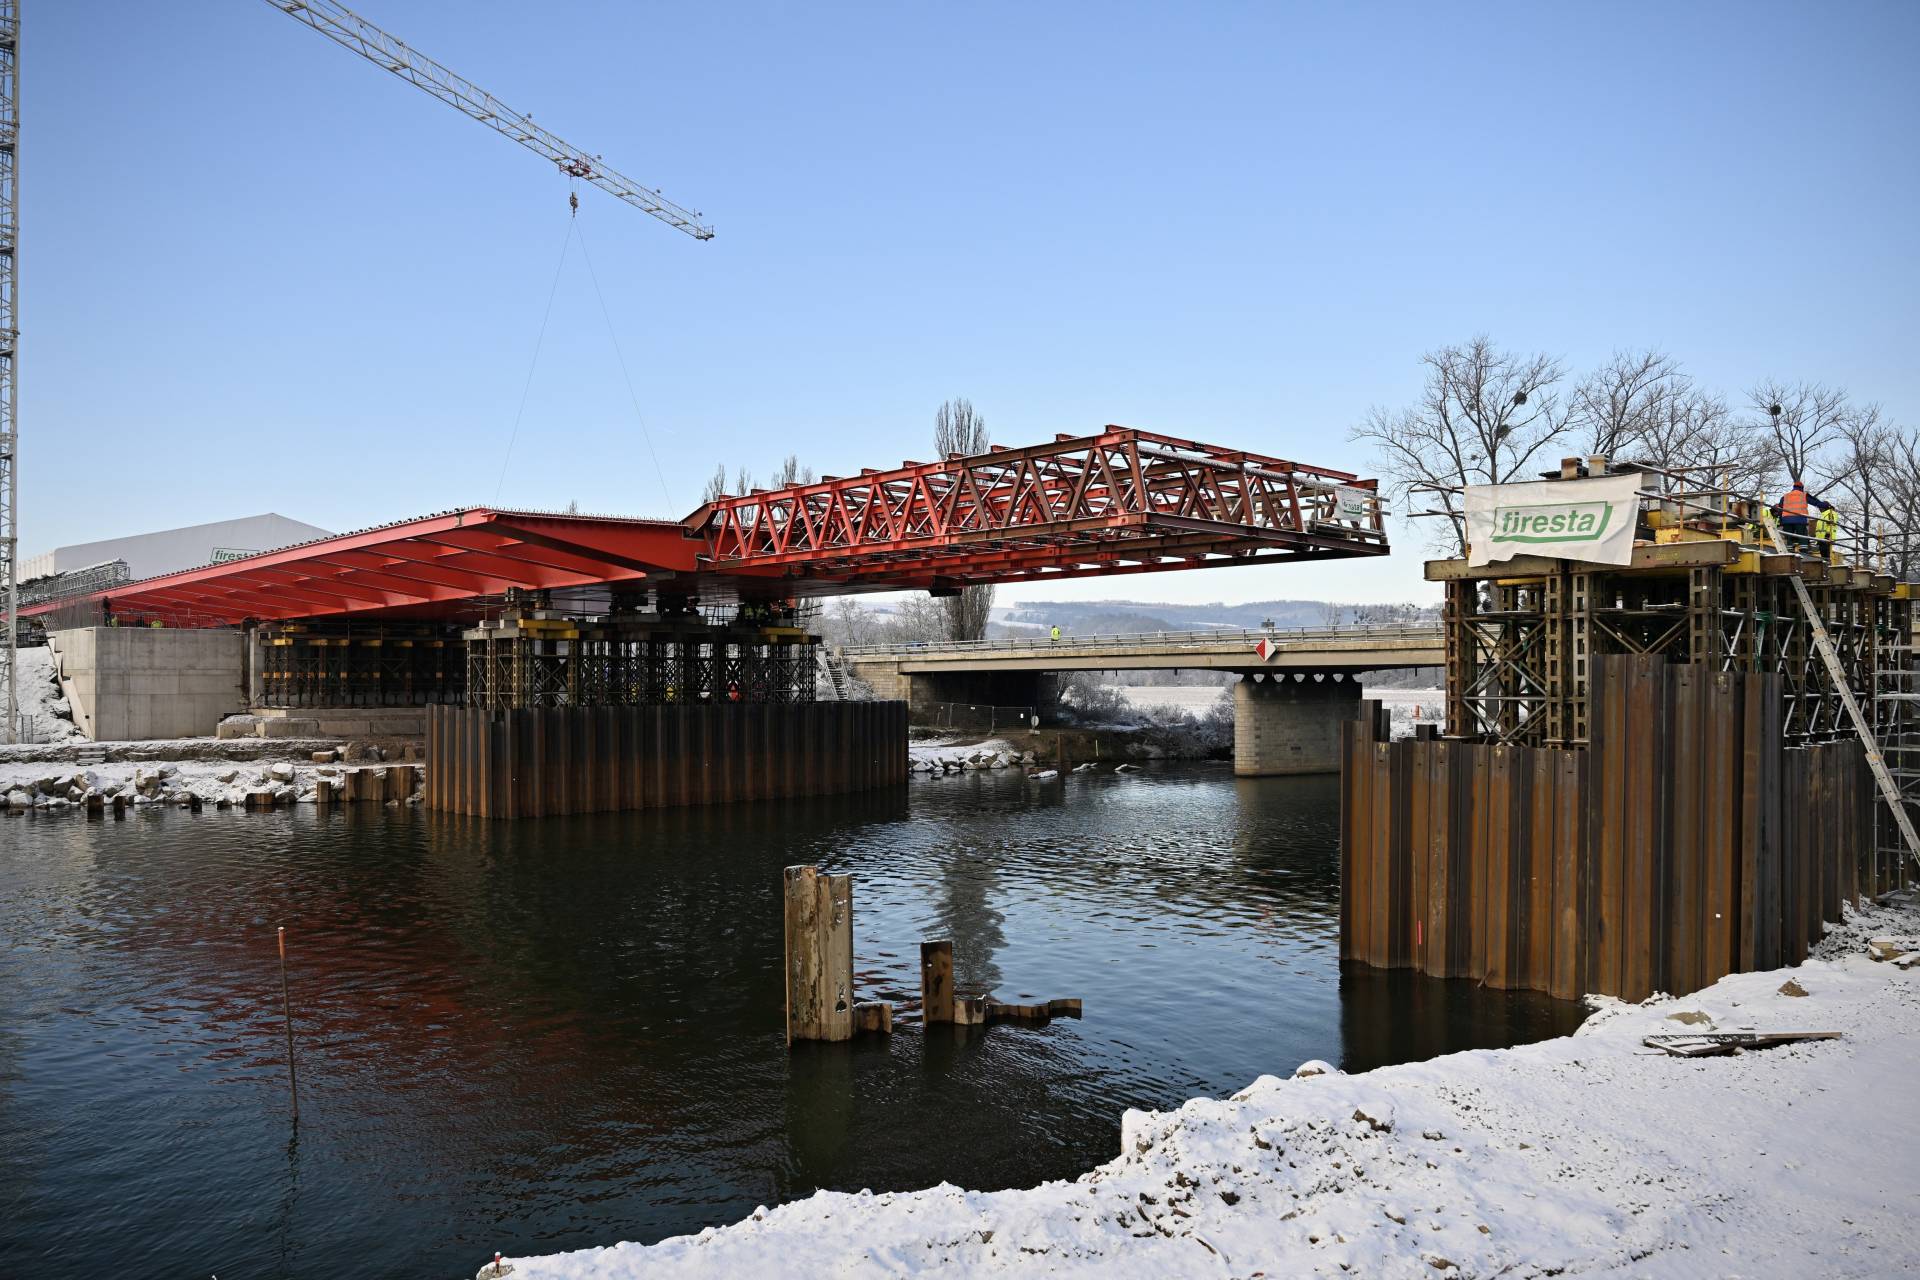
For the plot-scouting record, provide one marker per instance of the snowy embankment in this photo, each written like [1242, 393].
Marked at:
[948, 755]
[42, 786]
[43, 708]
[1583, 1155]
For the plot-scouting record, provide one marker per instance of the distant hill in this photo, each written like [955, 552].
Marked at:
[1114, 617]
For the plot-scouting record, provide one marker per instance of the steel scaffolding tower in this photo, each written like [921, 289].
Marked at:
[9, 335]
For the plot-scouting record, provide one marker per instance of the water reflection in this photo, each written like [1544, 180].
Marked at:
[1397, 1015]
[551, 1034]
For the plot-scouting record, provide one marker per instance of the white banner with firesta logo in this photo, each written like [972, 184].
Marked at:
[1591, 520]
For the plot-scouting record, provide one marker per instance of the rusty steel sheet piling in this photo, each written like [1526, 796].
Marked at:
[538, 762]
[1688, 842]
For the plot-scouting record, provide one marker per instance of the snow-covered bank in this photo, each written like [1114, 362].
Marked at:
[164, 780]
[923, 753]
[44, 712]
[1583, 1155]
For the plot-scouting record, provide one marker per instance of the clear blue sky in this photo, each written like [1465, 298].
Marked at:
[261, 274]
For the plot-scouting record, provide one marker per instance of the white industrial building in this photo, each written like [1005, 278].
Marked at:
[149, 554]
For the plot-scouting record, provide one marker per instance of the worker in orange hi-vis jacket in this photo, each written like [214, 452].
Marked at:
[1792, 511]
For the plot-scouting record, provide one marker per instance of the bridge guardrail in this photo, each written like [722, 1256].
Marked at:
[1208, 638]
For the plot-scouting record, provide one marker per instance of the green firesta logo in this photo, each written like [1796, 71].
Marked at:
[1552, 522]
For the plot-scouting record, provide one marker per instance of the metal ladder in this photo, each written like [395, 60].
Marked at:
[828, 668]
[1877, 762]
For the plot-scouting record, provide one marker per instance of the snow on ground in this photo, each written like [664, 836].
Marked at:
[54, 785]
[43, 707]
[1198, 699]
[923, 753]
[1409, 707]
[1590, 1154]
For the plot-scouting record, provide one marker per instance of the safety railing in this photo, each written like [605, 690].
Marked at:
[974, 715]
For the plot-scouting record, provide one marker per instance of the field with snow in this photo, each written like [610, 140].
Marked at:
[1195, 698]
[1591, 1154]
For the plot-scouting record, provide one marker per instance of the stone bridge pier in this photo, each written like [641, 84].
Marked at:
[1289, 722]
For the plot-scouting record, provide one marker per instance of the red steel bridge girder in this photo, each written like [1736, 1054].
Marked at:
[1080, 499]
[1121, 501]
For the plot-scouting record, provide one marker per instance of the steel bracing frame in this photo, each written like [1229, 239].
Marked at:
[1895, 710]
[1119, 500]
[1519, 651]
[560, 662]
[359, 666]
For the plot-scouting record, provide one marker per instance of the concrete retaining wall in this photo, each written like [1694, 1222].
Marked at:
[883, 676]
[127, 684]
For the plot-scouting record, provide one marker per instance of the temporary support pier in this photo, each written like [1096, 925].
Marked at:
[1523, 637]
[1651, 775]
[1688, 843]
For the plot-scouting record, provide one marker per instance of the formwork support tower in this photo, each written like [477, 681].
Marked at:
[9, 339]
[1522, 637]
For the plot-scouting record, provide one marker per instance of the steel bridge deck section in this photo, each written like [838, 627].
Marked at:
[1120, 501]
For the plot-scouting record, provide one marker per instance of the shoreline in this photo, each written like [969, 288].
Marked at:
[1585, 1154]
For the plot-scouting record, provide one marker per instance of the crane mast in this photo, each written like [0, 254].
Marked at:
[9, 337]
[344, 27]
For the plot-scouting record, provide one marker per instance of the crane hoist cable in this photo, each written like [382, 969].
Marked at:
[633, 396]
[606, 315]
[538, 341]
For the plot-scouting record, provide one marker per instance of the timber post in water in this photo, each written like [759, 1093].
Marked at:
[819, 955]
[936, 981]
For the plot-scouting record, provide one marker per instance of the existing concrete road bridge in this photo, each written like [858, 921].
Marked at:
[1299, 685]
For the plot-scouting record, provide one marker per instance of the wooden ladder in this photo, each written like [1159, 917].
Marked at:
[1876, 761]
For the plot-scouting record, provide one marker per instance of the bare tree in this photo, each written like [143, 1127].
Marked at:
[1857, 467]
[1897, 537]
[717, 486]
[1798, 422]
[1614, 407]
[849, 623]
[914, 620]
[958, 429]
[1694, 431]
[1485, 416]
[790, 473]
[787, 473]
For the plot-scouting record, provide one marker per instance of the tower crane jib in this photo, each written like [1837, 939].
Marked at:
[344, 27]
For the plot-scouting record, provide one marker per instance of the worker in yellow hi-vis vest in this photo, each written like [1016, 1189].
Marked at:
[1826, 527]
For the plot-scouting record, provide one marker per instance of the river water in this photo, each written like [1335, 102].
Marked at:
[545, 1035]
